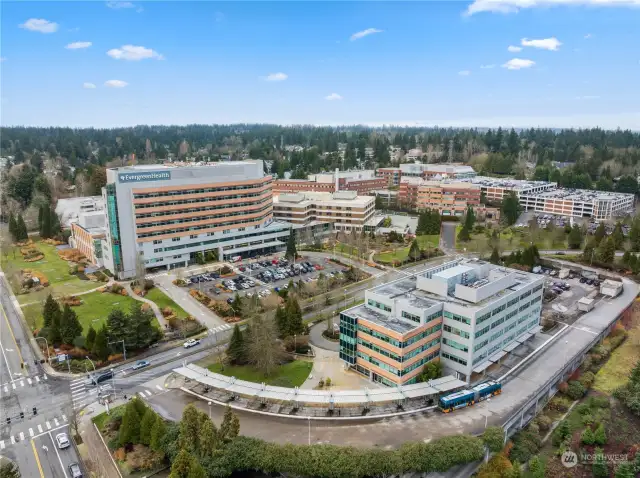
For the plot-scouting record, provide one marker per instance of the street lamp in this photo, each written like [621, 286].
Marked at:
[94, 365]
[46, 345]
[124, 348]
[209, 410]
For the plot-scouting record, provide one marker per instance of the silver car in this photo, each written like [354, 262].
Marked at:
[63, 441]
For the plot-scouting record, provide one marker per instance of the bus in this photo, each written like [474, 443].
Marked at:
[467, 397]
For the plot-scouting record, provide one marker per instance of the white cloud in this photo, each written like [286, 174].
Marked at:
[364, 33]
[518, 64]
[333, 97]
[115, 84]
[40, 25]
[512, 6]
[276, 76]
[464, 73]
[587, 36]
[587, 97]
[134, 53]
[552, 44]
[119, 5]
[74, 29]
[487, 67]
[90, 86]
[78, 45]
[514, 49]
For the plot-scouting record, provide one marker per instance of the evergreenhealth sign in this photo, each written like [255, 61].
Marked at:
[140, 177]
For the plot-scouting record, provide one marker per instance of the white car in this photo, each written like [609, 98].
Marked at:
[251, 283]
[63, 441]
[191, 343]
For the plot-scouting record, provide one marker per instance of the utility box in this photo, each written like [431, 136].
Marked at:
[586, 304]
[564, 273]
[611, 288]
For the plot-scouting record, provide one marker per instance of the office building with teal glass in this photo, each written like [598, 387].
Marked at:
[468, 314]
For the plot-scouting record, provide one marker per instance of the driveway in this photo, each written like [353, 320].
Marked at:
[448, 235]
[316, 338]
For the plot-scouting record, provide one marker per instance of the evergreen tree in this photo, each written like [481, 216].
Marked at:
[599, 467]
[625, 470]
[40, 218]
[575, 237]
[635, 374]
[129, 431]
[618, 235]
[294, 316]
[13, 227]
[208, 438]
[236, 348]
[146, 425]
[281, 321]
[196, 471]
[600, 233]
[464, 235]
[158, 431]
[495, 256]
[101, 344]
[607, 250]
[536, 468]
[423, 223]
[510, 209]
[291, 252]
[237, 304]
[139, 329]
[190, 428]
[625, 258]
[50, 310]
[469, 219]
[588, 252]
[116, 325]
[600, 436]
[45, 230]
[182, 464]
[90, 338]
[587, 436]
[55, 336]
[230, 427]
[21, 229]
[414, 250]
[634, 235]
[70, 327]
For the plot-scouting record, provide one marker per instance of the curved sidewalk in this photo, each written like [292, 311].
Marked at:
[316, 338]
[154, 307]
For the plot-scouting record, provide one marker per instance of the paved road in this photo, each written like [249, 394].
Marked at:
[21, 390]
[448, 235]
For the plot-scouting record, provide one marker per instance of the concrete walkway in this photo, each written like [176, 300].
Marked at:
[103, 284]
[316, 338]
[327, 364]
[156, 310]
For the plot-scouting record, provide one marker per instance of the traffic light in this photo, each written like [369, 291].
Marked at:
[21, 414]
[8, 420]
[35, 411]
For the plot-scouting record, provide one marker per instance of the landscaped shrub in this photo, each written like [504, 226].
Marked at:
[600, 436]
[525, 445]
[576, 390]
[544, 422]
[560, 433]
[598, 402]
[587, 379]
[587, 437]
[560, 404]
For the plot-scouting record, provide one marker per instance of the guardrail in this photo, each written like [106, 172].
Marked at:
[522, 416]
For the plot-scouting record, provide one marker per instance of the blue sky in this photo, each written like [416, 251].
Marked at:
[447, 63]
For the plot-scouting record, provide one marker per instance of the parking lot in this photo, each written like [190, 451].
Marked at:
[262, 276]
[562, 295]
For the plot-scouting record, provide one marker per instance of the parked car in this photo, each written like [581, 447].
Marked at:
[191, 343]
[583, 280]
[141, 364]
[74, 470]
[63, 441]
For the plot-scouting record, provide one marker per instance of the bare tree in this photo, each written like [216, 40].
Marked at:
[263, 349]
[141, 269]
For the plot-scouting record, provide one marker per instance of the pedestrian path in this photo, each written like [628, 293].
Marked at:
[83, 394]
[23, 382]
[33, 430]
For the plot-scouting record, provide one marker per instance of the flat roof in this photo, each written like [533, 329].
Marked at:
[391, 323]
[453, 271]
[507, 183]
[585, 195]
[347, 198]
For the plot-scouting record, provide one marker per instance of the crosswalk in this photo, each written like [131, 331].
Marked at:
[82, 396]
[24, 382]
[35, 430]
[221, 328]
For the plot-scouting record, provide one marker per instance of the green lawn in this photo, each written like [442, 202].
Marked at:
[401, 253]
[292, 374]
[162, 300]
[56, 270]
[95, 305]
[511, 240]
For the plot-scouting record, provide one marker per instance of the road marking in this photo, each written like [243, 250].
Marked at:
[29, 381]
[141, 394]
[13, 385]
[6, 389]
[35, 453]
[148, 393]
[159, 388]
[31, 432]
[48, 425]
[55, 420]
[21, 436]
[39, 428]
[1, 444]
[45, 376]
[37, 379]
[64, 473]
[13, 440]
[64, 417]
[22, 383]
[12, 336]
[77, 392]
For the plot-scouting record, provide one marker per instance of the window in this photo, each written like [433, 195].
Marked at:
[411, 317]
[482, 318]
[226, 231]
[454, 358]
[193, 236]
[175, 239]
[458, 332]
[378, 305]
[157, 250]
[455, 345]
[481, 332]
[499, 309]
[157, 241]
